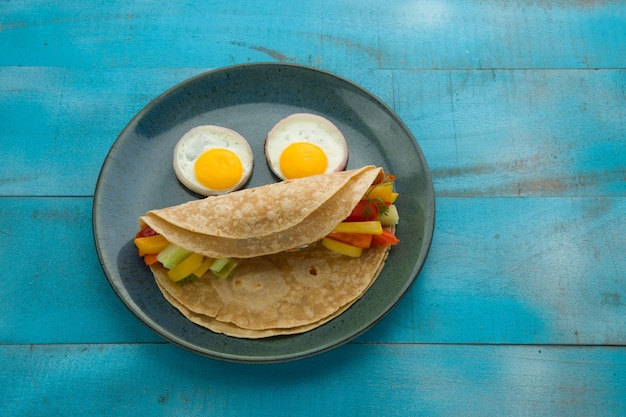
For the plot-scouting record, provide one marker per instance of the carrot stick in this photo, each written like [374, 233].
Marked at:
[150, 259]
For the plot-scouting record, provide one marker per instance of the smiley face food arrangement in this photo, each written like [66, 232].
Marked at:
[279, 259]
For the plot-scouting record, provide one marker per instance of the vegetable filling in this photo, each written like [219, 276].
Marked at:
[369, 224]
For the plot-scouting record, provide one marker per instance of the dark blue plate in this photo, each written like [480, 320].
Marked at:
[137, 176]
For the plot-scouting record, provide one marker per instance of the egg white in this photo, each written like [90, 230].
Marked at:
[306, 127]
[199, 140]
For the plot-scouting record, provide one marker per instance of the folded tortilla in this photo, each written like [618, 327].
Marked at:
[285, 281]
[263, 220]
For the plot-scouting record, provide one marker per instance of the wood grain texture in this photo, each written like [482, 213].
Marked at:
[519, 107]
[60, 293]
[334, 35]
[519, 133]
[356, 380]
[78, 115]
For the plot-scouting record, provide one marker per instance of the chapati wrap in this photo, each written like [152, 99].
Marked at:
[285, 281]
[263, 220]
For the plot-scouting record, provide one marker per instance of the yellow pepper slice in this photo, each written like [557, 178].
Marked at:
[185, 267]
[151, 244]
[341, 247]
[383, 191]
[204, 267]
[372, 227]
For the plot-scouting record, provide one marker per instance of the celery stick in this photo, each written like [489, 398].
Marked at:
[218, 264]
[172, 255]
[227, 268]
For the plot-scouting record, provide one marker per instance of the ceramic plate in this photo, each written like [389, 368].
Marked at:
[137, 176]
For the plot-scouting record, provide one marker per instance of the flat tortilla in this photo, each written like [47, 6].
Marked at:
[209, 321]
[230, 329]
[282, 291]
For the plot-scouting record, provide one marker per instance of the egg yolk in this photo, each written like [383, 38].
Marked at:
[302, 159]
[218, 169]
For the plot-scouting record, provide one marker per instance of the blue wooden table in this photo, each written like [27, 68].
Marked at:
[520, 109]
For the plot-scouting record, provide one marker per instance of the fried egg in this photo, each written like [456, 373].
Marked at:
[211, 160]
[305, 144]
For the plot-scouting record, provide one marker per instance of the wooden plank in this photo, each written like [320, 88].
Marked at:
[519, 270]
[502, 34]
[448, 34]
[500, 270]
[55, 289]
[354, 380]
[506, 133]
[518, 133]
[59, 124]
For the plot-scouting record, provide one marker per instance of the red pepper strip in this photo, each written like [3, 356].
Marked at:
[365, 210]
[145, 232]
[385, 239]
